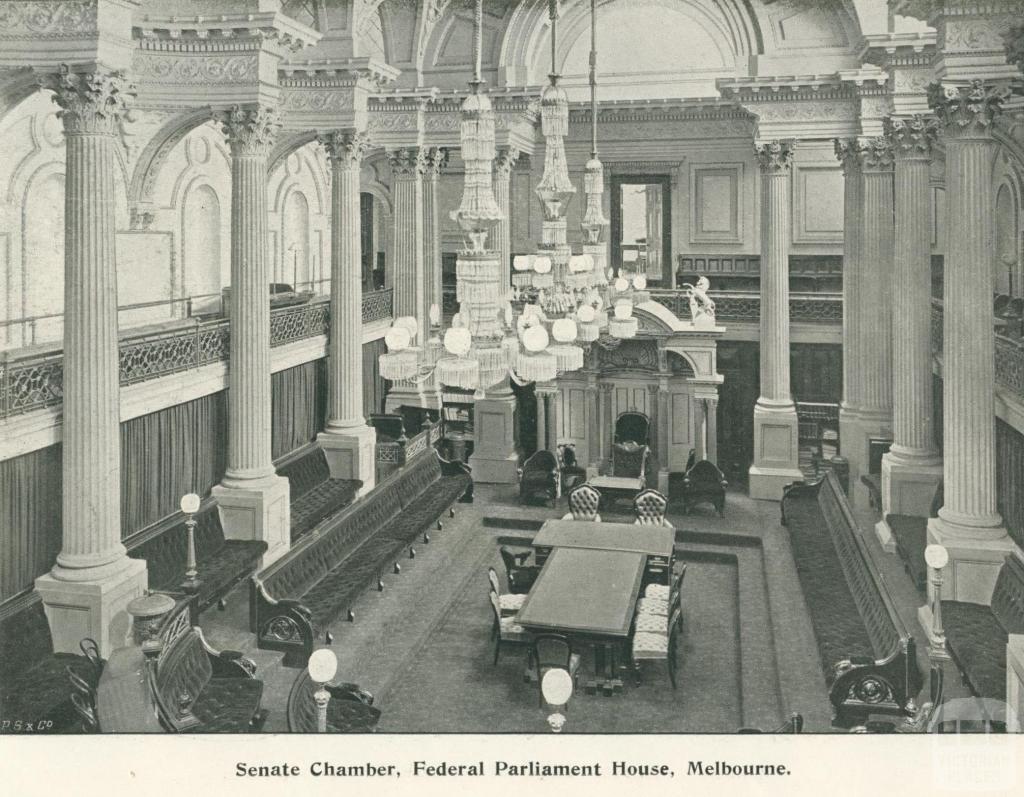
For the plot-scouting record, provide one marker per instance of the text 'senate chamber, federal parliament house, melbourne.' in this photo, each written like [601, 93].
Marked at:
[594, 366]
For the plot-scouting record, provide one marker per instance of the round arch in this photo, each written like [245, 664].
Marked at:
[147, 168]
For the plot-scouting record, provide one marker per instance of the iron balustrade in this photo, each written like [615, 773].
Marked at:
[746, 306]
[1009, 353]
[33, 380]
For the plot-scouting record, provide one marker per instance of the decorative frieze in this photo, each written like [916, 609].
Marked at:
[90, 102]
[45, 19]
[250, 130]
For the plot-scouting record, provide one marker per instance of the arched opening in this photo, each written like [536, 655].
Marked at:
[295, 268]
[1006, 255]
[43, 254]
[203, 272]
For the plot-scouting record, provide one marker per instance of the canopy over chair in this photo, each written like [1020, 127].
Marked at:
[634, 426]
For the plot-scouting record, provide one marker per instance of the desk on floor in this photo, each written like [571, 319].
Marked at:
[653, 542]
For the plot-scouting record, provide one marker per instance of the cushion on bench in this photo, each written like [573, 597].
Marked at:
[227, 705]
[978, 643]
[314, 495]
[911, 535]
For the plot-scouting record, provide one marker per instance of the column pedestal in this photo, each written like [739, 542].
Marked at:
[409, 395]
[975, 556]
[857, 428]
[257, 509]
[96, 608]
[351, 454]
[494, 459]
[908, 487]
[776, 454]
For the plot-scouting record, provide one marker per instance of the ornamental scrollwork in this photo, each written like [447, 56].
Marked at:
[876, 154]
[48, 19]
[90, 102]
[913, 137]
[966, 110]
[283, 629]
[506, 161]
[774, 156]
[250, 130]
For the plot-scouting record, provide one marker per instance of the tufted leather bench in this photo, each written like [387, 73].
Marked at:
[910, 533]
[202, 690]
[221, 563]
[868, 656]
[34, 685]
[350, 709]
[294, 600]
[976, 635]
[315, 496]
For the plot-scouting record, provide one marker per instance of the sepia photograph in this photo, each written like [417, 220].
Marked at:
[597, 394]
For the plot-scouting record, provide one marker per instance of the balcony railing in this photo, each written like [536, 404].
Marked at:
[734, 306]
[1009, 354]
[32, 380]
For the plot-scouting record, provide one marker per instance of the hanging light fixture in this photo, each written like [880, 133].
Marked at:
[594, 222]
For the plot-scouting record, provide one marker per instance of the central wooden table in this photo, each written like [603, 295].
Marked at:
[588, 595]
[656, 543]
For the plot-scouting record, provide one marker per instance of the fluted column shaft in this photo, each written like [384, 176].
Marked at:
[913, 422]
[775, 159]
[503, 165]
[853, 222]
[407, 167]
[875, 282]
[345, 348]
[250, 133]
[91, 547]
[434, 161]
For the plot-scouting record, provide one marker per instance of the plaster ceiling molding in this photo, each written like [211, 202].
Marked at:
[48, 19]
[803, 106]
[817, 25]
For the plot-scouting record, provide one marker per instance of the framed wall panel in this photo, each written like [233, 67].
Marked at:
[715, 203]
[817, 204]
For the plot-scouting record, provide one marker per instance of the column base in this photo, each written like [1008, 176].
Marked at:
[410, 396]
[909, 483]
[936, 647]
[257, 510]
[776, 454]
[494, 459]
[856, 429]
[975, 556]
[95, 609]
[351, 453]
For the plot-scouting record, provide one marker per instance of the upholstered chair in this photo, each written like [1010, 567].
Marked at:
[650, 507]
[584, 502]
[510, 603]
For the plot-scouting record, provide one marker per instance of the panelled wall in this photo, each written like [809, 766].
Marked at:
[165, 454]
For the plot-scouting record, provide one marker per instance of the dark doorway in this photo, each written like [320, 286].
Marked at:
[642, 225]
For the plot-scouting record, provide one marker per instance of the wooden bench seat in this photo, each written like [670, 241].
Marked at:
[221, 563]
[976, 635]
[910, 533]
[315, 496]
[34, 684]
[868, 656]
[202, 690]
[294, 600]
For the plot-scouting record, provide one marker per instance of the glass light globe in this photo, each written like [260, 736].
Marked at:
[323, 665]
[556, 686]
[409, 323]
[623, 310]
[586, 314]
[564, 330]
[535, 339]
[936, 556]
[542, 265]
[639, 282]
[190, 503]
[621, 285]
[397, 339]
[521, 263]
[458, 341]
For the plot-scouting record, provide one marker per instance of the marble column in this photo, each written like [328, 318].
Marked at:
[605, 439]
[593, 458]
[854, 343]
[662, 421]
[87, 591]
[912, 468]
[542, 417]
[504, 163]
[969, 524]
[411, 289]
[711, 428]
[252, 500]
[348, 442]
[434, 160]
[775, 423]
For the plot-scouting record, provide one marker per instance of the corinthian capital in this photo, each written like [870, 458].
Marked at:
[434, 160]
[346, 148]
[848, 153]
[506, 160]
[876, 154]
[774, 156]
[90, 102]
[250, 130]
[407, 162]
[911, 138]
[967, 110]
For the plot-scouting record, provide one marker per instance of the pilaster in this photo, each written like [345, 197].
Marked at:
[504, 164]
[252, 500]
[969, 525]
[434, 159]
[775, 422]
[89, 587]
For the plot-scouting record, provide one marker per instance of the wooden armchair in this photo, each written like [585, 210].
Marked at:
[539, 477]
[520, 575]
[570, 471]
[629, 460]
[350, 709]
[704, 482]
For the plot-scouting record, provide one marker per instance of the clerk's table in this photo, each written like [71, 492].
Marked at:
[654, 542]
